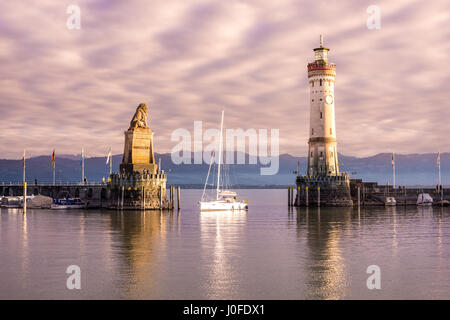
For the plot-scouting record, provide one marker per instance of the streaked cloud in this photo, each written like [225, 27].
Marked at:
[66, 89]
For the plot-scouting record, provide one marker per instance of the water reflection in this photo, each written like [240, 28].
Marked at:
[142, 250]
[220, 236]
[270, 252]
[392, 212]
[327, 277]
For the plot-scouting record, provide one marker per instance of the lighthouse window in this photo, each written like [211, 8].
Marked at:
[320, 82]
[311, 154]
[321, 115]
[321, 154]
[312, 82]
[312, 131]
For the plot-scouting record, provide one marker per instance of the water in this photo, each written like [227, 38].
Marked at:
[270, 252]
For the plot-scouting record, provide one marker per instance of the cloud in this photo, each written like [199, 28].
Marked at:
[66, 89]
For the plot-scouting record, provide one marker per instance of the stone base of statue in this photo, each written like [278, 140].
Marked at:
[140, 184]
[331, 190]
[138, 151]
[138, 191]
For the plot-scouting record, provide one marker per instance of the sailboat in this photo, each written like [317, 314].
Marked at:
[226, 200]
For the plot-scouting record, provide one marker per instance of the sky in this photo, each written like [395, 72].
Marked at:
[67, 89]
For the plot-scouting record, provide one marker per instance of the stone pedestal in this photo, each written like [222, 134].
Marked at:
[334, 191]
[138, 152]
[140, 191]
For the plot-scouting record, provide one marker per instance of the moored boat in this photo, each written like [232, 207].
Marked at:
[443, 203]
[67, 203]
[10, 202]
[390, 201]
[424, 199]
[226, 200]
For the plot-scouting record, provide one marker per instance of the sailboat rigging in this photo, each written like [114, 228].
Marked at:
[226, 200]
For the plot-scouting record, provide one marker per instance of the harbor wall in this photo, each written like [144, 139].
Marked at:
[95, 195]
[372, 194]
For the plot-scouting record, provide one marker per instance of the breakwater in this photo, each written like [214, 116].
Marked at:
[94, 195]
[364, 193]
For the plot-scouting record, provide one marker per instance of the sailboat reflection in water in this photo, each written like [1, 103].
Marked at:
[226, 200]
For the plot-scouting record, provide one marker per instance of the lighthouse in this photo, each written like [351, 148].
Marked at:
[323, 184]
[322, 148]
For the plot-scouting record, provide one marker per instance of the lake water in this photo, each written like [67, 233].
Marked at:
[271, 252]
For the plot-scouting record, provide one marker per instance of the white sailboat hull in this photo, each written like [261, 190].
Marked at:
[68, 206]
[219, 205]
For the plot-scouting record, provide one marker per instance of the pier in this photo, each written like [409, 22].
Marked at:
[365, 194]
[93, 194]
[373, 194]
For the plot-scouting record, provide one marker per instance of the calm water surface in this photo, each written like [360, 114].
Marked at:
[270, 252]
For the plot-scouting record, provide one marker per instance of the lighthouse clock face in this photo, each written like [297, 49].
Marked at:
[329, 99]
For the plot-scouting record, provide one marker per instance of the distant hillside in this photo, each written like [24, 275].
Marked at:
[412, 169]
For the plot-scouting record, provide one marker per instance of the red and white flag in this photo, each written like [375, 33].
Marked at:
[438, 160]
[393, 160]
[23, 159]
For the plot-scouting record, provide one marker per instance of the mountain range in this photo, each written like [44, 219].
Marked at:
[411, 169]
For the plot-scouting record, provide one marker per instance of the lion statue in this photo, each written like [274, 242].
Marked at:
[140, 117]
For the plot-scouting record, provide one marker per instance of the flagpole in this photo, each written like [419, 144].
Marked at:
[439, 169]
[440, 187]
[394, 175]
[23, 160]
[393, 170]
[82, 165]
[53, 166]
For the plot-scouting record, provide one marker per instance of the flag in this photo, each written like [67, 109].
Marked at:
[393, 160]
[81, 159]
[438, 160]
[109, 155]
[23, 159]
[53, 157]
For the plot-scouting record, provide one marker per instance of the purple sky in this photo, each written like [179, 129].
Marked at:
[66, 89]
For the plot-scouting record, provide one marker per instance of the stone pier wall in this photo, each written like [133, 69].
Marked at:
[140, 190]
[137, 188]
[334, 191]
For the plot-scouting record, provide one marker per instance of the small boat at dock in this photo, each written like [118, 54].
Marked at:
[424, 199]
[443, 203]
[11, 202]
[67, 203]
[390, 201]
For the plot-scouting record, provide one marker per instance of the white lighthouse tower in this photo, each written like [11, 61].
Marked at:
[322, 157]
[323, 184]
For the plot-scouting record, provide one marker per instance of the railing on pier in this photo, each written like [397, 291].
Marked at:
[60, 183]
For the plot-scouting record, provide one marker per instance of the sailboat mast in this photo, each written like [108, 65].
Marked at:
[439, 168]
[220, 158]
